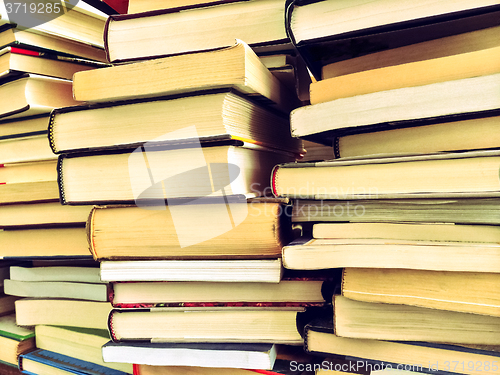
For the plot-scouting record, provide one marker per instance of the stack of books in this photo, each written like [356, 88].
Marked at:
[400, 210]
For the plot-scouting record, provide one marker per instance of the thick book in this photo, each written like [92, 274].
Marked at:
[214, 114]
[416, 210]
[384, 321]
[13, 36]
[184, 231]
[401, 107]
[41, 361]
[468, 292]
[420, 356]
[57, 289]
[305, 291]
[227, 324]
[384, 25]
[44, 243]
[80, 343]
[14, 340]
[138, 175]
[310, 254]
[15, 60]
[476, 133]
[440, 175]
[170, 32]
[237, 355]
[235, 65]
[211, 270]
[32, 94]
[62, 312]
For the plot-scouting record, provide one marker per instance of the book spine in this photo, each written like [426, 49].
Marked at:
[274, 175]
[60, 181]
[89, 227]
[106, 37]
[51, 133]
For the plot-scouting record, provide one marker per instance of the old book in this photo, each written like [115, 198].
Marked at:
[417, 73]
[15, 60]
[80, 343]
[14, 340]
[207, 324]
[469, 292]
[136, 36]
[420, 356]
[28, 38]
[7, 304]
[62, 312]
[44, 242]
[41, 361]
[383, 26]
[248, 270]
[294, 291]
[445, 175]
[32, 95]
[183, 232]
[309, 254]
[188, 172]
[407, 106]
[235, 356]
[220, 114]
[235, 66]
[383, 321]
[57, 289]
[461, 42]
[469, 134]
[408, 231]
[417, 210]
[42, 214]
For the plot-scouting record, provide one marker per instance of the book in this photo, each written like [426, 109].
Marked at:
[7, 304]
[22, 149]
[470, 292]
[281, 367]
[383, 26]
[207, 324]
[445, 175]
[38, 171]
[24, 127]
[42, 214]
[183, 232]
[142, 294]
[383, 321]
[62, 312]
[57, 289]
[42, 361]
[235, 65]
[15, 60]
[80, 343]
[417, 73]
[417, 210]
[425, 104]
[460, 42]
[215, 115]
[139, 6]
[44, 242]
[188, 172]
[247, 356]
[308, 254]
[75, 274]
[77, 21]
[10, 35]
[248, 270]
[31, 95]
[407, 231]
[470, 134]
[135, 36]
[422, 356]
[14, 340]
[8, 369]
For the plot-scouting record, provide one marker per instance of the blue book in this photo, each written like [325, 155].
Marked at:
[40, 361]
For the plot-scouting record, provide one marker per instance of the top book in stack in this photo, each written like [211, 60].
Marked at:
[181, 30]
